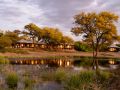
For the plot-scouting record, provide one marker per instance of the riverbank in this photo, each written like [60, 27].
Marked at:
[61, 53]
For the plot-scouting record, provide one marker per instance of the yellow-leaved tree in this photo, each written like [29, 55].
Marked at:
[96, 29]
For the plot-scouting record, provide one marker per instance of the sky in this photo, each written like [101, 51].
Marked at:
[15, 14]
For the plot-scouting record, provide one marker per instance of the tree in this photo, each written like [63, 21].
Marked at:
[12, 36]
[67, 40]
[5, 42]
[33, 31]
[51, 36]
[17, 32]
[97, 29]
[81, 46]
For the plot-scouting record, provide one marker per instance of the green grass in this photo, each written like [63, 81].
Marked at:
[81, 81]
[12, 80]
[28, 82]
[3, 60]
[14, 50]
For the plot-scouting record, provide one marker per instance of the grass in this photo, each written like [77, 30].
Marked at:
[12, 80]
[28, 82]
[14, 50]
[3, 60]
[59, 76]
[81, 81]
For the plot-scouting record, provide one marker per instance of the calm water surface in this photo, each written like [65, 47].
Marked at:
[76, 62]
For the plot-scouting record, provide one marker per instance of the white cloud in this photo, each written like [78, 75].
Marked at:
[14, 14]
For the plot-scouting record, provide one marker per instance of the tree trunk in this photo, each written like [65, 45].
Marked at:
[93, 66]
[96, 61]
[33, 43]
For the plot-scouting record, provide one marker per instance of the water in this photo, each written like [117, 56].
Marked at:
[76, 62]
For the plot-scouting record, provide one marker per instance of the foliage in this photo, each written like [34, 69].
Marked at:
[67, 40]
[32, 30]
[118, 45]
[4, 60]
[51, 35]
[104, 46]
[114, 82]
[28, 82]
[12, 80]
[5, 42]
[48, 35]
[60, 75]
[97, 29]
[46, 77]
[17, 32]
[81, 47]
[80, 81]
[103, 76]
[13, 36]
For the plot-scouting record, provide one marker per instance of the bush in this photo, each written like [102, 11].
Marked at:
[60, 75]
[80, 81]
[3, 60]
[81, 47]
[27, 82]
[5, 42]
[46, 76]
[103, 76]
[12, 80]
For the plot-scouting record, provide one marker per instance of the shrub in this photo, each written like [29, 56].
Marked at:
[5, 42]
[3, 60]
[81, 47]
[12, 80]
[103, 76]
[60, 75]
[47, 77]
[80, 81]
[27, 82]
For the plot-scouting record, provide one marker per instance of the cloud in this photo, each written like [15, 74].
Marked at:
[14, 14]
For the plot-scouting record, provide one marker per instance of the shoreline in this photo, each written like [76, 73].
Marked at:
[61, 53]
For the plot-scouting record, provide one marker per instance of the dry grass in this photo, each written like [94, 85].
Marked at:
[42, 53]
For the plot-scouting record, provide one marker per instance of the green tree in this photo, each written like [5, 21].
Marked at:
[51, 36]
[17, 32]
[97, 29]
[12, 36]
[33, 30]
[67, 40]
[1, 34]
[80, 46]
[5, 42]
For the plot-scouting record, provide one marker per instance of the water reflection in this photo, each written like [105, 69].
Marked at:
[84, 62]
[57, 62]
[112, 62]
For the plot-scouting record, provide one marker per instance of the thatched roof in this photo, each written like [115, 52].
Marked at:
[24, 41]
[113, 46]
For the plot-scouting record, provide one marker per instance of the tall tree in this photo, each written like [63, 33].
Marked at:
[67, 40]
[33, 31]
[51, 36]
[12, 36]
[97, 29]
[5, 42]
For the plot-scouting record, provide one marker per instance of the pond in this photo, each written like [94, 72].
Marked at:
[41, 70]
[75, 62]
